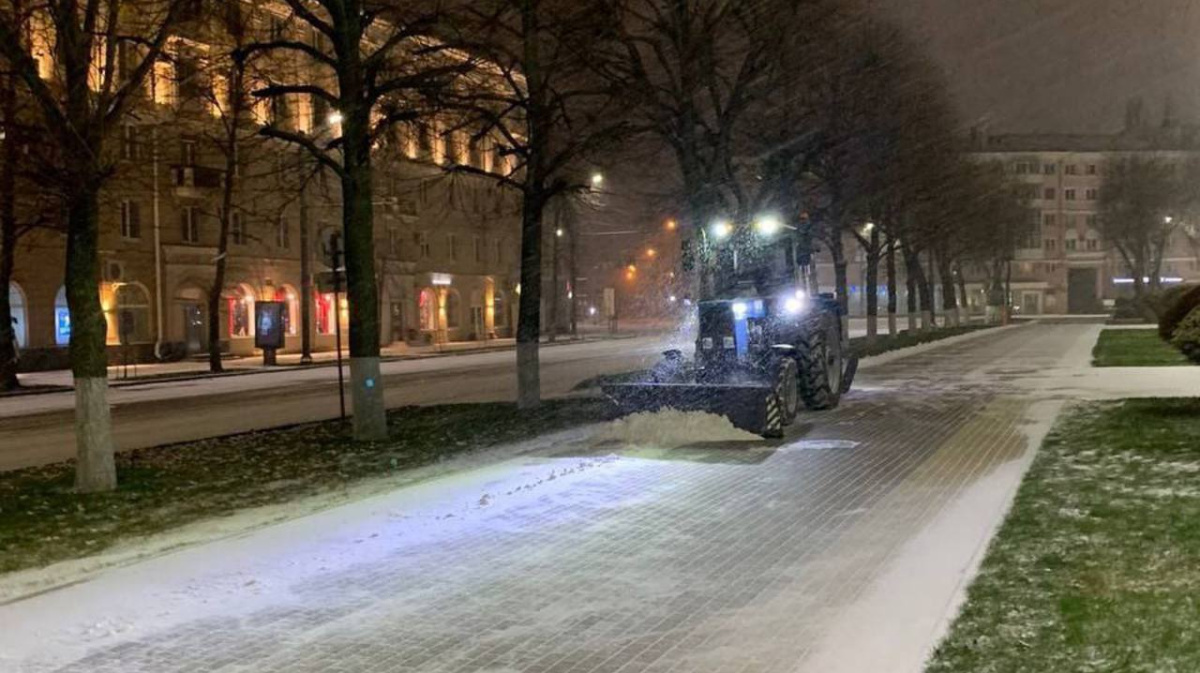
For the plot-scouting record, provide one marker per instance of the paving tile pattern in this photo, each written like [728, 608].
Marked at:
[706, 559]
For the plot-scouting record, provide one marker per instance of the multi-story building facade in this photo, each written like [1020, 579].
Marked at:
[1065, 265]
[446, 242]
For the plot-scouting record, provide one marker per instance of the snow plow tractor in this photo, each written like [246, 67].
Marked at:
[766, 344]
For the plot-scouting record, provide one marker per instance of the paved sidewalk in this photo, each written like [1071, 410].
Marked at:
[844, 547]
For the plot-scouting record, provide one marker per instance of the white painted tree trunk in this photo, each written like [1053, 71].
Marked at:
[529, 384]
[912, 321]
[893, 328]
[366, 394]
[927, 320]
[95, 470]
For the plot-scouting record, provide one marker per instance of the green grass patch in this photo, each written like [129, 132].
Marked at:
[43, 521]
[1135, 348]
[1097, 567]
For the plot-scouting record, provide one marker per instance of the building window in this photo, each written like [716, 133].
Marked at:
[422, 241]
[237, 231]
[1092, 194]
[477, 244]
[283, 233]
[500, 159]
[129, 141]
[187, 152]
[16, 303]
[393, 242]
[1071, 244]
[1069, 194]
[1050, 244]
[291, 307]
[1071, 169]
[474, 153]
[1093, 244]
[1091, 169]
[189, 227]
[424, 142]
[452, 148]
[131, 219]
[1048, 194]
[1048, 219]
[1022, 168]
[1049, 169]
[452, 246]
[1091, 221]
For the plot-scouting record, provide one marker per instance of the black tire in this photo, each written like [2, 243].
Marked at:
[787, 389]
[819, 352]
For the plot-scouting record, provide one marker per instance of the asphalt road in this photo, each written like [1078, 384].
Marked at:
[38, 429]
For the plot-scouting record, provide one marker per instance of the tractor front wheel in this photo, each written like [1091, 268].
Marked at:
[820, 356]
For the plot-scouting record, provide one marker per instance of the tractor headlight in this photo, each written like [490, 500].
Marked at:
[793, 305]
[739, 309]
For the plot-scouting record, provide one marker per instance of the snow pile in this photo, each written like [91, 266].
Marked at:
[672, 428]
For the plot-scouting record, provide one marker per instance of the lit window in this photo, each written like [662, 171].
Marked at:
[131, 219]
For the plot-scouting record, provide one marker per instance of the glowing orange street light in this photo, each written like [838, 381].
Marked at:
[651, 253]
[672, 225]
[632, 268]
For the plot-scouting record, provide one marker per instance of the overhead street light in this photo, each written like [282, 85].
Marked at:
[721, 229]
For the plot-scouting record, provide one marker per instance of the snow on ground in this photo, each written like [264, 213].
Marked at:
[670, 428]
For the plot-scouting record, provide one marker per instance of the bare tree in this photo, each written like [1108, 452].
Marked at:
[538, 100]
[1141, 206]
[366, 62]
[85, 96]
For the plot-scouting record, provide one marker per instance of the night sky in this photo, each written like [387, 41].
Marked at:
[1061, 65]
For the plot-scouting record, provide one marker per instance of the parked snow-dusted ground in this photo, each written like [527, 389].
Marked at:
[843, 547]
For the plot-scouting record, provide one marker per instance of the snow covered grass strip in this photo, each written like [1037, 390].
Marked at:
[43, 521]
[1096, 566]
[1135, 348]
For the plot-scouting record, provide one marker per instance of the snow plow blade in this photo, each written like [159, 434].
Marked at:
[753, 408]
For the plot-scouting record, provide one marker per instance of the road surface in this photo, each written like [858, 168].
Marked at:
[842, 548]
[38, 429]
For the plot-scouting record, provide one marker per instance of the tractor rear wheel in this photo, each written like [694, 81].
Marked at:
[820, 354]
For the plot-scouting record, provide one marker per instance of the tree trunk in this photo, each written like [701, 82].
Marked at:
[8, 233]
[366, 384]
[929, 296]
[555, 298]
[873, 289]
[893, 300]
[529, 387]
[949, 293]
[573, 272]
[218, 284]
[964, 310]
[95, 469]
[920, 290]
[306, 278]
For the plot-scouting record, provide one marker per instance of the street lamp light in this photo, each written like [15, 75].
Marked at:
[558, 232]
[335, 118]
[721, 229]
[597, 180]
[672, 225]
[768, 225]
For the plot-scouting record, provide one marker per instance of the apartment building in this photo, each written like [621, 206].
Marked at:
[446, 242]
[1065, 265]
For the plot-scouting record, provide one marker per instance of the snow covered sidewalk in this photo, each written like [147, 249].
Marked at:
[843, 547]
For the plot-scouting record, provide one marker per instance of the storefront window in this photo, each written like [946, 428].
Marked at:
[16, 302]
[325, 313]
[290, 309]
[453, 309]
[62, 318]
[427, 303]
[241, 312]
[499, 310]
[133, 314]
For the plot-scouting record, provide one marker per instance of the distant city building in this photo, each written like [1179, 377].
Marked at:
[1065, 266]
